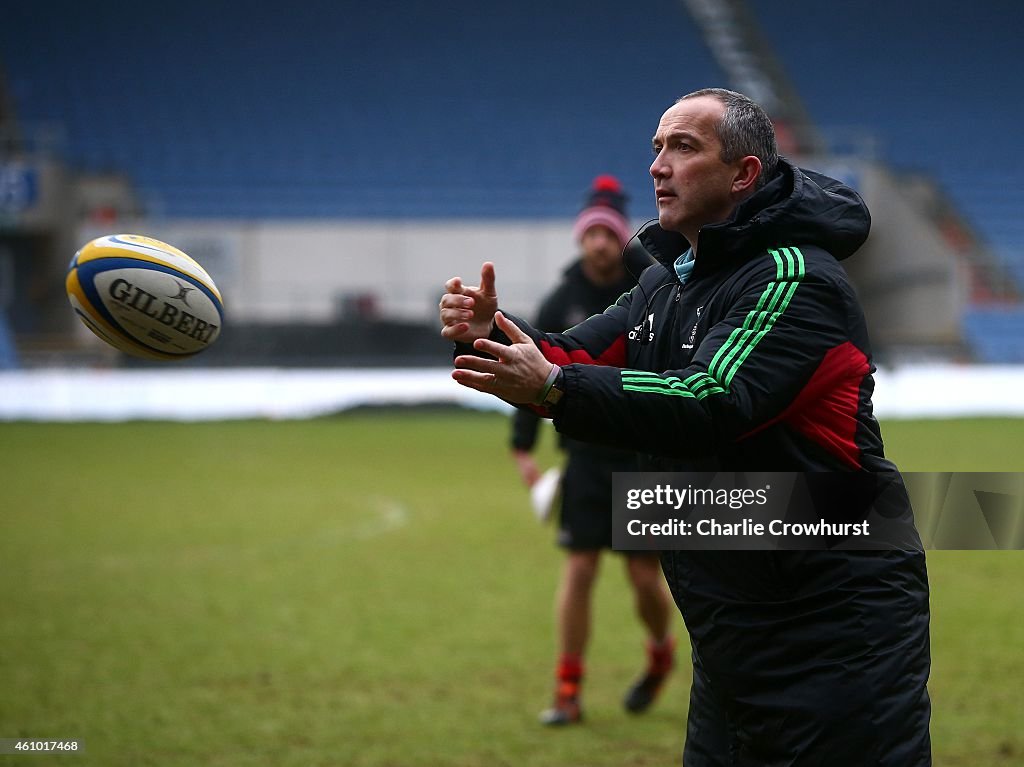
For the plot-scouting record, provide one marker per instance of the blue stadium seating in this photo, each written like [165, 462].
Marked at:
[934, 81]
[995, 334]
[357, 109]
[490, 110]
[8, 352]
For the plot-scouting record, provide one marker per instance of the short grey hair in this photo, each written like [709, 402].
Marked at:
[745, 129]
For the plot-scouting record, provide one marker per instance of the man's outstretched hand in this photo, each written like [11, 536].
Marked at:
[516, 375]
[467, 312]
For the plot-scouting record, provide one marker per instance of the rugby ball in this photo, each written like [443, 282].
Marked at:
[144, 297]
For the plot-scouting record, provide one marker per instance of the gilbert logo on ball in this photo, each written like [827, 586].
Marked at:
[144, 297]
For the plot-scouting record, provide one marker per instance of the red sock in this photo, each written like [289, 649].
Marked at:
[569, 675]
[661, 656]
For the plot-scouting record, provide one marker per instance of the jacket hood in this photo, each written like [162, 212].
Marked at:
[797, 207]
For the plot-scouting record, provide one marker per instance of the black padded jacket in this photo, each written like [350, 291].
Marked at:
[761, 362]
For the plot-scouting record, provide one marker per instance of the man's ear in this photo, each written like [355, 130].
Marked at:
[747, 172]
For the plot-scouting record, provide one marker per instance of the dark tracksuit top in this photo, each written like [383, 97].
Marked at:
[761, 362]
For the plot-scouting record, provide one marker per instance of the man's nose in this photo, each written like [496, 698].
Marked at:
[657, 167]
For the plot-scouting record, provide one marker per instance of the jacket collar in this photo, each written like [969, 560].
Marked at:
[796, 206]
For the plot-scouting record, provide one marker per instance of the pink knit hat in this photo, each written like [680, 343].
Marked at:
[604, 205]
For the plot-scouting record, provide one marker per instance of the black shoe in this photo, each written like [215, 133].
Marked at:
[641, 695]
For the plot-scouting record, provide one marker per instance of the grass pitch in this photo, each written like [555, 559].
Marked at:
[371, 590]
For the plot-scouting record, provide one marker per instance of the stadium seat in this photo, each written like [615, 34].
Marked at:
[996, 334]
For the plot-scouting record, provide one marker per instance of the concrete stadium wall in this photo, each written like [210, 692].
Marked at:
[314, 271]
[913, 286]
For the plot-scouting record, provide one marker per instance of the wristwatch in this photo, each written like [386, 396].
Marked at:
[553, 389]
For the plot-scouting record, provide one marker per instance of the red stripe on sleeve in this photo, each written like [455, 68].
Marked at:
[613, 356]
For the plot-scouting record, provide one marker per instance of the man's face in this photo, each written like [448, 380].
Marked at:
[692, 185]
[601, 249]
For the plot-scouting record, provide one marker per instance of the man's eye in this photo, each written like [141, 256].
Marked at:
[656, 149]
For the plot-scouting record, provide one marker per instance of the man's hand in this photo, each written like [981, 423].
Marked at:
[467, 313]
[528, 470]
[517, 375]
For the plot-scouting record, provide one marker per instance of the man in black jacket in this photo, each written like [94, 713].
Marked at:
[590, 284]
[743, 348]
